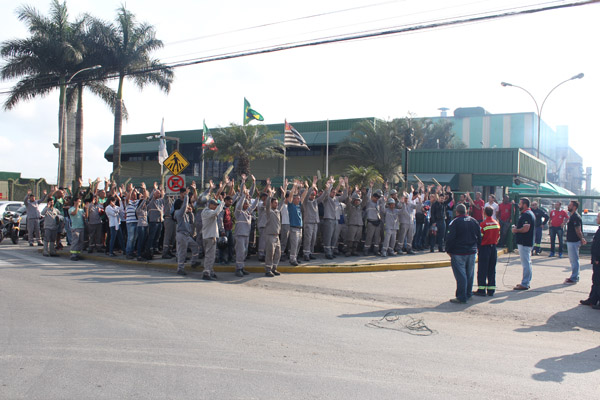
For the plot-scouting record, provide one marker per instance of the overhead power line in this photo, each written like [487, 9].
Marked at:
[349, 38]
[284, 21]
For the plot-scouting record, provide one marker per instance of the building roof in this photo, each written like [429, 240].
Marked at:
[314, 132]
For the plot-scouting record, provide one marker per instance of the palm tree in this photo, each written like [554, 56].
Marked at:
[127, 47]
[378, 144]
[247, 143]
[44, 60]
[363, 176]
[75, 99]
[55, 51]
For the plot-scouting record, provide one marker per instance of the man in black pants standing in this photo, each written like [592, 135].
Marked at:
[594, 297]
[488, 255]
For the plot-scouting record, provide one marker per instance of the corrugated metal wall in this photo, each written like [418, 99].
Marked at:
[477, 161]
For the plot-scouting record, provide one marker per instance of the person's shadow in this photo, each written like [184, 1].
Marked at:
[555, 368]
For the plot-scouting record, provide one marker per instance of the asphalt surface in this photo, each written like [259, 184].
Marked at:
[98, 330]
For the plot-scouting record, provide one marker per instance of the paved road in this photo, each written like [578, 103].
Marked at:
[102, 331]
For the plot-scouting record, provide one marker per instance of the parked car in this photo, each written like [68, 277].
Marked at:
[23, 211]
[9, 206]
[589, 225]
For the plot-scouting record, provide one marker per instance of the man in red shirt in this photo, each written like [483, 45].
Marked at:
[486, 268]
[558, 219]
[504, 217]
[477, 208]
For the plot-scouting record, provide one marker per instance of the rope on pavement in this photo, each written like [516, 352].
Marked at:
[403, 323]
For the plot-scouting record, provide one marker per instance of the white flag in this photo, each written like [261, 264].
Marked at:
[162, 145]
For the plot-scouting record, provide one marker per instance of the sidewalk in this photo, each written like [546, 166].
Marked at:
[341, 264]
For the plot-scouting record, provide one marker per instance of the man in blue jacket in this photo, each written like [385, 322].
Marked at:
[461, 244]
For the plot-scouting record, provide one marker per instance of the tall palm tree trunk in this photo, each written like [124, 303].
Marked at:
[79, 135]
[62, 135]
[117, 133]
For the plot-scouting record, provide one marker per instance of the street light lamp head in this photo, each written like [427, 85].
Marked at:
[505, 84]
[578, 76]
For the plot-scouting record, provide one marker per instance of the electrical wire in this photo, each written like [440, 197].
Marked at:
[403, 323]
[285, 21]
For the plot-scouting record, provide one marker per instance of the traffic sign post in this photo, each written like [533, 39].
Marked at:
[174, 183]
[176, 163]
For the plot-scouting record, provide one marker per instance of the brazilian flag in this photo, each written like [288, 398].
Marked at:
[250, 114]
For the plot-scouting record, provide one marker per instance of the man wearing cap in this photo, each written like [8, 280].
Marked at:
[184, 233]
[210, 233]
[311, 221]
[390, 217]
[372, 211]
[461, 244]
[354, 223]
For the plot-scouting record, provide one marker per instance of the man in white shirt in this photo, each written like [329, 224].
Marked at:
[493, 204]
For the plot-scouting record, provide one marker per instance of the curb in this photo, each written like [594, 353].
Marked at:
[313, 269]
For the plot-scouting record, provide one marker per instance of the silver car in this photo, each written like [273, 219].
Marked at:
[589, 225]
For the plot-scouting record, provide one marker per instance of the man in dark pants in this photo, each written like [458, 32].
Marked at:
[558, 220]
[594, 297]
[541, 218]
[461, 244]
[486, 270]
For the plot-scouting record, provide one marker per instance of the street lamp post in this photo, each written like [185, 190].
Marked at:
[540, 109]
[62, 142]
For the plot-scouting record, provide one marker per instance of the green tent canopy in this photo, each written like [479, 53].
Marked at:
[547, 189]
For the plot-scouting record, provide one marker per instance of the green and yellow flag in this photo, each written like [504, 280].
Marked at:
[250, 114]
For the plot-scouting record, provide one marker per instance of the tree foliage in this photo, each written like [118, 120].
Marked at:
[380, 144]
[245, 144]
[362, 176]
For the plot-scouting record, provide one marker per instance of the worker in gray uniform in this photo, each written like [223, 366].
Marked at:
[272, 231]
[156, 211]
[354, 222]
[310, 210]
[262, 220]
[374, 203]
[390, 217]
[184, 233]
[406, 230]
[33, 217]
[210, 232]
[243, 217]
[329, 214]
[169, 226]
[52, 217]
[200, 201]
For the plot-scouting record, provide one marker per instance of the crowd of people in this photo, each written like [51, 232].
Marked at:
[229, 222]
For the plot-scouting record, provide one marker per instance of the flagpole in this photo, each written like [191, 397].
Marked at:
[284, 160]
[202, 169]
[284, 150]
[327, 152]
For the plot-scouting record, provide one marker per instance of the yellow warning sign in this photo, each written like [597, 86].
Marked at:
[176, 163]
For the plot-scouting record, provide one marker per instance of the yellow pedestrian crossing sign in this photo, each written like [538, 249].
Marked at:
[176, 163]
